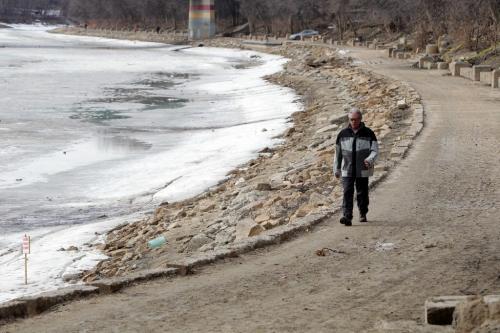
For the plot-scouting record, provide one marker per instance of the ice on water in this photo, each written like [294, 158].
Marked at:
[92, 129]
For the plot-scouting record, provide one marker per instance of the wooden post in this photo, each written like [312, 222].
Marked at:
[26, 251]
[25, 268]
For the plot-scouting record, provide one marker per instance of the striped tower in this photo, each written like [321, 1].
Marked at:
[201, 19]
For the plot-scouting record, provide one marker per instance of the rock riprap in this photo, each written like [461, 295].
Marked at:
[283, 183]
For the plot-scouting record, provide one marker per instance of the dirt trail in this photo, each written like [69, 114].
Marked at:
[438, 210]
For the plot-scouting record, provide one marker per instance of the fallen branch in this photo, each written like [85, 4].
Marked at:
[325, 251]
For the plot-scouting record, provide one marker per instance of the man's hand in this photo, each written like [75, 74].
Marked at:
[368, 165]
[337, 174]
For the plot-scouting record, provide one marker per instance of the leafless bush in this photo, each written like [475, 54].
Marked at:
[475, 23]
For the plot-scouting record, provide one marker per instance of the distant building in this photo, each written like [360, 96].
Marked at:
[201, 19]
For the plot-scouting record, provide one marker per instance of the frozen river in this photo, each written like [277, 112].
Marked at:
[95, 132]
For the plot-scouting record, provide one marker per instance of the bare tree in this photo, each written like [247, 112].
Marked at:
[494, 16]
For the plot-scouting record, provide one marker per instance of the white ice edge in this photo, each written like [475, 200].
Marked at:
[47, 265]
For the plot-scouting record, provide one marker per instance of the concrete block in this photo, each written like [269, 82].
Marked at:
[439, 310]
[490, 299]
[466, 72]
[423, 60]
[389, 52]
[495, 77]
[486, 77]
[493, 303]
[477, 69]
[456, 66]
[442, 65]
[431, 65]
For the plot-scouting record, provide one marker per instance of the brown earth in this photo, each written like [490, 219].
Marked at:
[433, 230]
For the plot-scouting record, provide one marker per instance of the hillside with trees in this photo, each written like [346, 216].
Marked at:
[27, 11]
[474, 24]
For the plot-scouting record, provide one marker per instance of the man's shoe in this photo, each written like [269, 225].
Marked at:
[363, 218]
[345, 221]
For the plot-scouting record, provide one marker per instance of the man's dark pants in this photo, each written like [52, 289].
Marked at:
[361, 184]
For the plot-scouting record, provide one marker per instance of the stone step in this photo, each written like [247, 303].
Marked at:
[439, 310]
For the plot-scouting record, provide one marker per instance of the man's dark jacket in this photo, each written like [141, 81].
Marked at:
[352, 149]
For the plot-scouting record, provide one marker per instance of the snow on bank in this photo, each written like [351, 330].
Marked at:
[47, 263]
[242, 115]
[234, 114]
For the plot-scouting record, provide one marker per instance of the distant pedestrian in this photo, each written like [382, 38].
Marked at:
[158, 29]
[355, 155]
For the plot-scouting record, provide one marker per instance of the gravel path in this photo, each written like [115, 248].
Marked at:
[434, 229]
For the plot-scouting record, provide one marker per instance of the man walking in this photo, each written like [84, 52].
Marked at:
[355, 155]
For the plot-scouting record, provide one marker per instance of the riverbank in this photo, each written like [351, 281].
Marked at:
[432, 232]
[284, 184]
[132, 125]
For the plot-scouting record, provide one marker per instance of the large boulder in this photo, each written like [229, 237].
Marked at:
[248, 228]
[197, 241]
